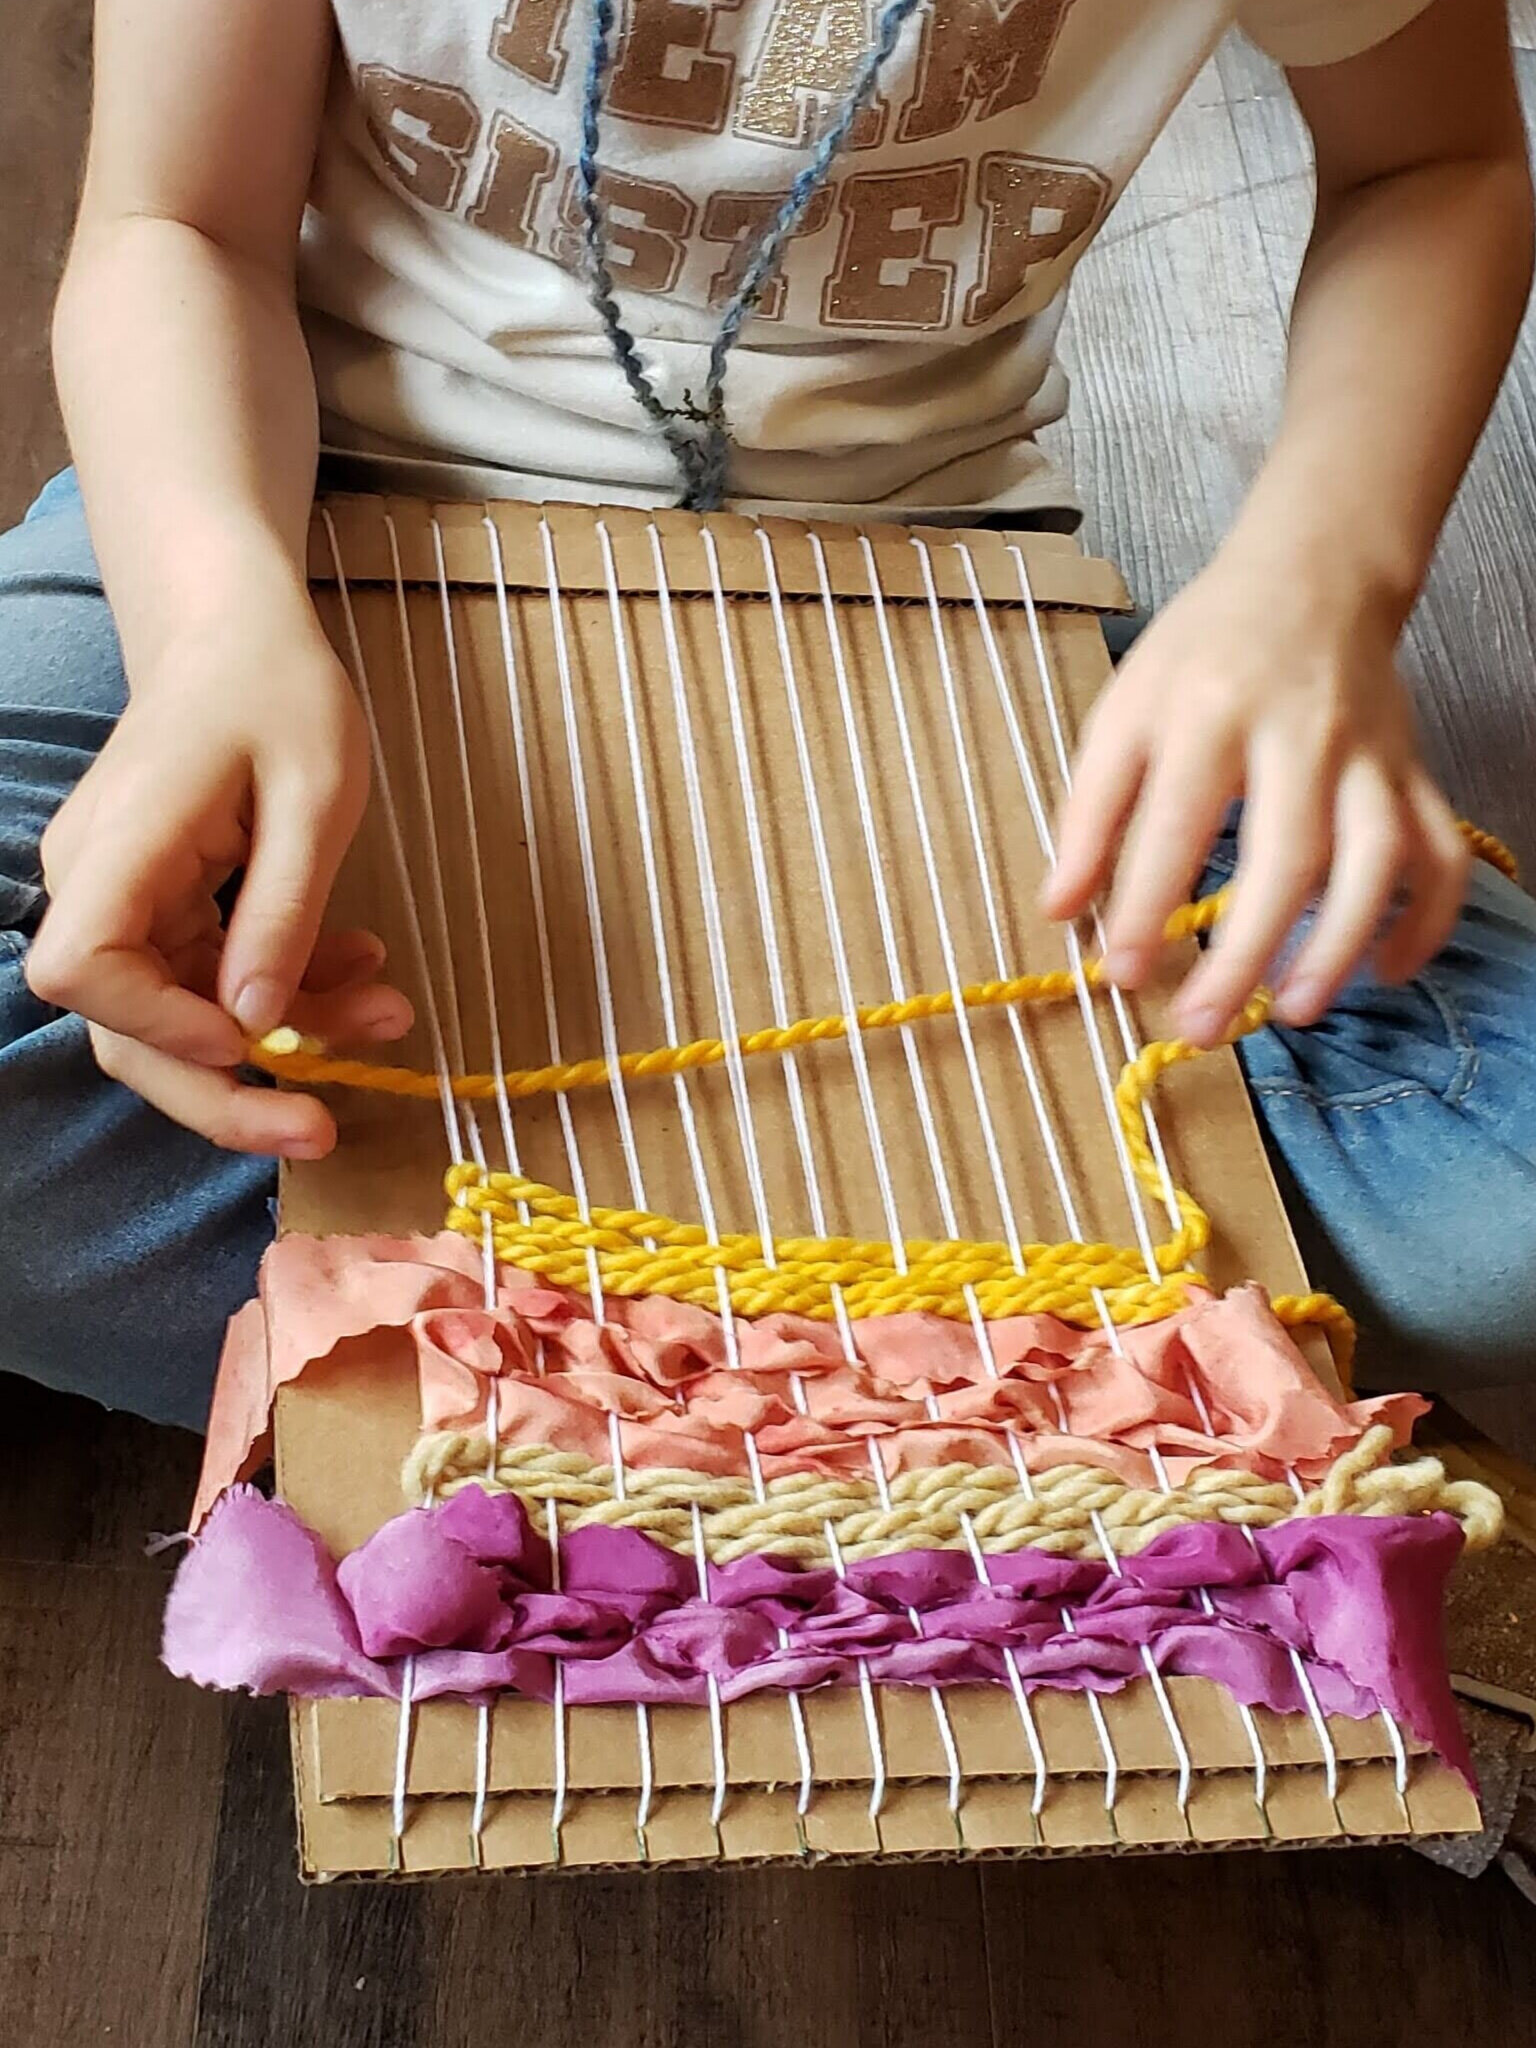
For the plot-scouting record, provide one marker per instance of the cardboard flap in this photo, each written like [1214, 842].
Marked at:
[372, 540]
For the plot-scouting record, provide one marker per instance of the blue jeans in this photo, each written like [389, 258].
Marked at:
[1403, 1127]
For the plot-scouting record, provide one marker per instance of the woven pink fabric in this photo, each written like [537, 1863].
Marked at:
[1066, 1395]
[466, 1591]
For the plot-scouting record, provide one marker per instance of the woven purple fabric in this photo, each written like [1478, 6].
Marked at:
[466, 1590]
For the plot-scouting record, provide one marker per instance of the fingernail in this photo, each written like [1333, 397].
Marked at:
[363, 952]
[1299, 999]
[1202, 1025]
[1122, 964]
[388, 1017]
[259, 1004]
[307, 1147]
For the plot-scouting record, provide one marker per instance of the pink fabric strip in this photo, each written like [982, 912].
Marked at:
[1065, 1394]
[466, 1590]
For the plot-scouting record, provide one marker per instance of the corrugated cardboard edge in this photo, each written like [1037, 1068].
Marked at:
[356, 1741]
[760, 1825]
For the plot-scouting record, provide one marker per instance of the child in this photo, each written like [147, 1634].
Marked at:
[517, 228]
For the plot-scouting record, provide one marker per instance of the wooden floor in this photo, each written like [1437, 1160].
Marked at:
[147, 1894]
[147, 1897]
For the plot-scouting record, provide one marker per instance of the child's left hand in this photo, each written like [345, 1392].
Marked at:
[1286, 693]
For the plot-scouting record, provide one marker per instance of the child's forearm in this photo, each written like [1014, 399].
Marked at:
[190, 407]
[1407, 310]
[242, 750]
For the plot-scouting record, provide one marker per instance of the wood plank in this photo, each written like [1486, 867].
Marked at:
[1468, 645]
[823, 1959]
[47, 88]
[345, 1965]
[1175, 346]
[1312, 1950]
[109, 1770]
[826, 1959]
[109, 1777]
[85, 1486]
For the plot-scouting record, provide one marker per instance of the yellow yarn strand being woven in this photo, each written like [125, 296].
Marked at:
[1069, 1510]
[541, 1230]
[544, 1231]
[289, 1056]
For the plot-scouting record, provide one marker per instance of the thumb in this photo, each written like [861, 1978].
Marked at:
[297, 844]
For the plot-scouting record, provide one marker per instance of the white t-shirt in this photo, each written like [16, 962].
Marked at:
[903, 360]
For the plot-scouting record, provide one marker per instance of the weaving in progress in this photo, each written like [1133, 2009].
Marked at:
[864, 1399]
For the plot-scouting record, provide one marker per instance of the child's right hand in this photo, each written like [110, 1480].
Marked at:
[247, 751]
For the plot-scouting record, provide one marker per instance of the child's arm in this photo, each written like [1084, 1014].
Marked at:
[1273, 676]
[191, 412]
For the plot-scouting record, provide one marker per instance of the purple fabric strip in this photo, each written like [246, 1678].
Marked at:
[466, 1591]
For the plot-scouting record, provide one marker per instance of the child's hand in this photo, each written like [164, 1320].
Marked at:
[250, 753]
[1252, 686]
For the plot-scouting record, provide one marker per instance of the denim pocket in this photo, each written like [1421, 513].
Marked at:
[1377, 1045]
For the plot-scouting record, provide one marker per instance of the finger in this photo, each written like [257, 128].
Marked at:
[342, 958]
[299, 836]
[125, 988]
[1282, 851]
[197, 966]
[179, 926]
[66, 832]
[1370, 846]
[96, 952]
[229, 1113]
[1104, 790]
[1439, 862]
[1181, 807]
[372, 1014]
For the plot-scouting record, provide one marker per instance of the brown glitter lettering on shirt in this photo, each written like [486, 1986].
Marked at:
[526, 37]
[1035, 213]
[666, 74]
[807, 59]
[424, 131]
[978, 58]
[884, 275]
[648, 229]
[739, 218]
[519, 167]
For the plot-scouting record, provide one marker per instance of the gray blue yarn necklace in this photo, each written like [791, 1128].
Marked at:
[697, 432]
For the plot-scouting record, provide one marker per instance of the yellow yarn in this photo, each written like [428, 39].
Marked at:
[641, 1254]
[544, 1231]
[1486, 846]
[929, 1509]
[541, 1230]
[289, 1056]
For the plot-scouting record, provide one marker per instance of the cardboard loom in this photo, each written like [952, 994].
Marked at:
[421, 585]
